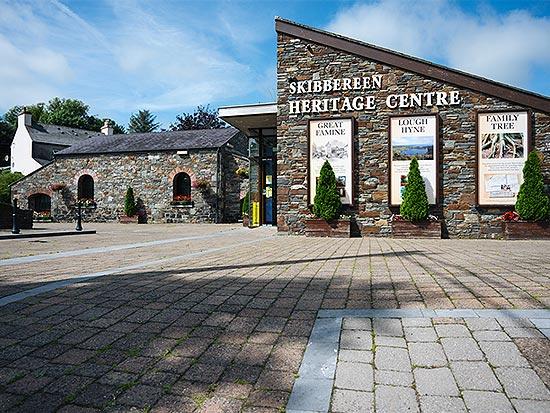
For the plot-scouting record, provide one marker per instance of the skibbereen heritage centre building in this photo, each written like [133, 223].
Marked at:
[368, 111]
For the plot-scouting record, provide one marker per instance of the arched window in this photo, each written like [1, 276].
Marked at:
[182, 187]
[40, 202]
[86, 187]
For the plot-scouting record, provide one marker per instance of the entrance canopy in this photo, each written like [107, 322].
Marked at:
[249, 119]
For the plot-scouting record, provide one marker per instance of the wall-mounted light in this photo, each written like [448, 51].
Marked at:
[182, 153]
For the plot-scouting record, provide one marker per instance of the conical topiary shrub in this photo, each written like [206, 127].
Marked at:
[532, 203]
[415, 206]
[327, 202]
[130, 207]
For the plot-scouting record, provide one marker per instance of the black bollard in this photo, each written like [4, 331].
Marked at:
[14, 226]
[79, 217]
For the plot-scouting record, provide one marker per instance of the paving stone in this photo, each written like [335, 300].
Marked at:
[357, 324]
[391, 358]
[350, 401]
[416, 322]
[483, 402]
[491, 335]
[393, 378]
[426, 334]
[475, 375]
[395, 399]
[174, 403]
[522, 383]
[427, 355]
[501, 354]
[221, 404]
[435, 382]
[275, 380]
[452, 330]
[357, 356]
[461, 348]
[207, 373]
[517, 332]
[531, 406]
[310, 394]
[515, 322]
[387, 327]
[481, 324]
[439, 404]
[141, 395]
[354, 376]
[390, 341]
[356, 340]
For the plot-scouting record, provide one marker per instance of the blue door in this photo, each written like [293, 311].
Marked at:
[268, 191]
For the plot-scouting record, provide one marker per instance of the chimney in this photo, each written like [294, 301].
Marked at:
[107, 129]
[24, 118]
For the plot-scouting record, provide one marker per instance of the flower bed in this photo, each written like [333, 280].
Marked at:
[401, 228]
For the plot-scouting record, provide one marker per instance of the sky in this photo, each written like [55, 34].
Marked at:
[120, 56]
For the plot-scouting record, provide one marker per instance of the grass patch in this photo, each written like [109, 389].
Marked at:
[133, 352]
[199, 399]
[128, 385]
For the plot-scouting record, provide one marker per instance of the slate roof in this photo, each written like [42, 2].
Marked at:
[59, 135]
[151, 142]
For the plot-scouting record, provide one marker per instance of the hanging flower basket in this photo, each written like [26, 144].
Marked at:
[242, 172]
[57, 186]
[202, 184]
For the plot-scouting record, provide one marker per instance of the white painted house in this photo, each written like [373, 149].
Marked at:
[35, 143]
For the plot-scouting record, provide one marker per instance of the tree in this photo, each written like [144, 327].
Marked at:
[202, 118]
[72, 113]
[327, 202]
[532, 203]
[130, 207]
[415, 206]
[245, 204]
[143, 121]
[7, 178]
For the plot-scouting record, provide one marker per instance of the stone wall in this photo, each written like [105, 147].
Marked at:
[151, 177]
[303, 60]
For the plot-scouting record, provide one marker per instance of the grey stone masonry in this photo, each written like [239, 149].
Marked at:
[300, 59]
[151, 175]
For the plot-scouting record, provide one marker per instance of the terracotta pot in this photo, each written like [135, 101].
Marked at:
[123, 219]
[246, 221]
[423, 229]
[526, 230]
[338, 228]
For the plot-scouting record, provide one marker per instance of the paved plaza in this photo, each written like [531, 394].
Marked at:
[219, 318]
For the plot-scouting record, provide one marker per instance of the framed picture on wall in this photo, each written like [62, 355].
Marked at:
[331, 140]
[409, 137]
[503, 140]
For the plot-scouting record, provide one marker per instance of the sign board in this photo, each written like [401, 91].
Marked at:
[332, 140]
[413, 136]
[502, 149]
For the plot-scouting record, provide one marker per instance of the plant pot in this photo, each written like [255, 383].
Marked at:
[423, 229]
[526, 230]
[246, 221]
[123, 219]
[337, 228]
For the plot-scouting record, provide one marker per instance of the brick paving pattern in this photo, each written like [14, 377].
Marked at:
[226, 331]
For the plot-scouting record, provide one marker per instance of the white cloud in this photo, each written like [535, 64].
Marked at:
[503, 47]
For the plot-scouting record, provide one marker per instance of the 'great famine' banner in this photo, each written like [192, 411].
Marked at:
[413, 136]
[502, 150]
[332, 140]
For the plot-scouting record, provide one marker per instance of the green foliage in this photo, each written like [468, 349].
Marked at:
[72, 113]
[532, 203]
[415, 206]
[130, 207]
[7, 178]
[327, 202]
[245, 205]
[142, 122]
[202, 118]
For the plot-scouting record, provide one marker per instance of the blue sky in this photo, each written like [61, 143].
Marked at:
[170, 56]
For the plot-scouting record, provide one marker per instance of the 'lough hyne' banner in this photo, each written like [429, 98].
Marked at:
[502, 150]
[413, 136]
[332, 140]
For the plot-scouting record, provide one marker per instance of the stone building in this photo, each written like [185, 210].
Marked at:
[181, 176]
[369, 110]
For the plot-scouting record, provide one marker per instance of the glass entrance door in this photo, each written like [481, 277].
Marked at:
[267, 191]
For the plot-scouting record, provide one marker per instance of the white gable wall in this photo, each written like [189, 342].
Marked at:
[21, 150]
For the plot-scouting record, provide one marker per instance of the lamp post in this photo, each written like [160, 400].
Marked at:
[14, 226]
[79, 216]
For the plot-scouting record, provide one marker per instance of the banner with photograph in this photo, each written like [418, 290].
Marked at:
[502, 151]
[332, 140]
[413, 136]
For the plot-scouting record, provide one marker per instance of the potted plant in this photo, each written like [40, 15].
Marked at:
[326, 208]
[130, 208]
[414, 219]
[532, 209]
[245, 206]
